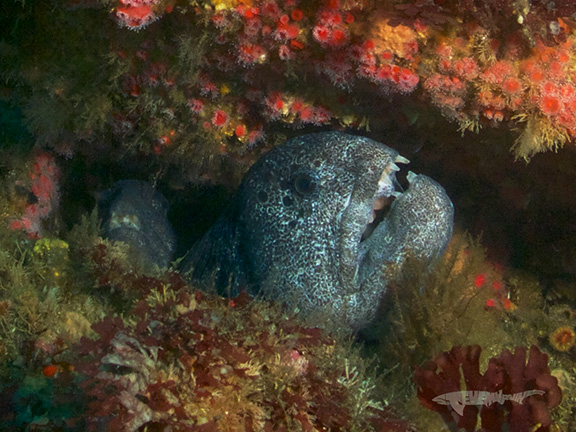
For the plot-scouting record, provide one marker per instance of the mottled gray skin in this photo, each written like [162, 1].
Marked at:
[294, 230]
[136, 213]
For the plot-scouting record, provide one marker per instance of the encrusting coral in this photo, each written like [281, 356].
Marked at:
[209, 80]
[43, 186]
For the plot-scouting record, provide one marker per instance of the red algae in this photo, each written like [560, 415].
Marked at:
[511, 373]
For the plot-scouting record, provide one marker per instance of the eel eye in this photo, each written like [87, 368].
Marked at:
[305, 184]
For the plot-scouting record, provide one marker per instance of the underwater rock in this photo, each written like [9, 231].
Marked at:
[136, 213]
[312, 226]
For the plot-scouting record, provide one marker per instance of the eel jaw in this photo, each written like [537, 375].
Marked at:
[356, 219]
[383, 197]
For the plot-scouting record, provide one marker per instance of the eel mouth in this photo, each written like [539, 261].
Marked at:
[380, 208]
[124, 221]
[385, 194]
[365, 213]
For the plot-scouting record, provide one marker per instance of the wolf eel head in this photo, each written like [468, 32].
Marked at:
[307, 223]
[308, 227]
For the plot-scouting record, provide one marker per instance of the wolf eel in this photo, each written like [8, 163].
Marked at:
[306, 228]
[311, 225]
[135, 213]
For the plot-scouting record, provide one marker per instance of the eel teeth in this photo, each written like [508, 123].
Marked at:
[401, 159]
[396, 194]
[411, 176]
[390, 168]
[384, 181]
